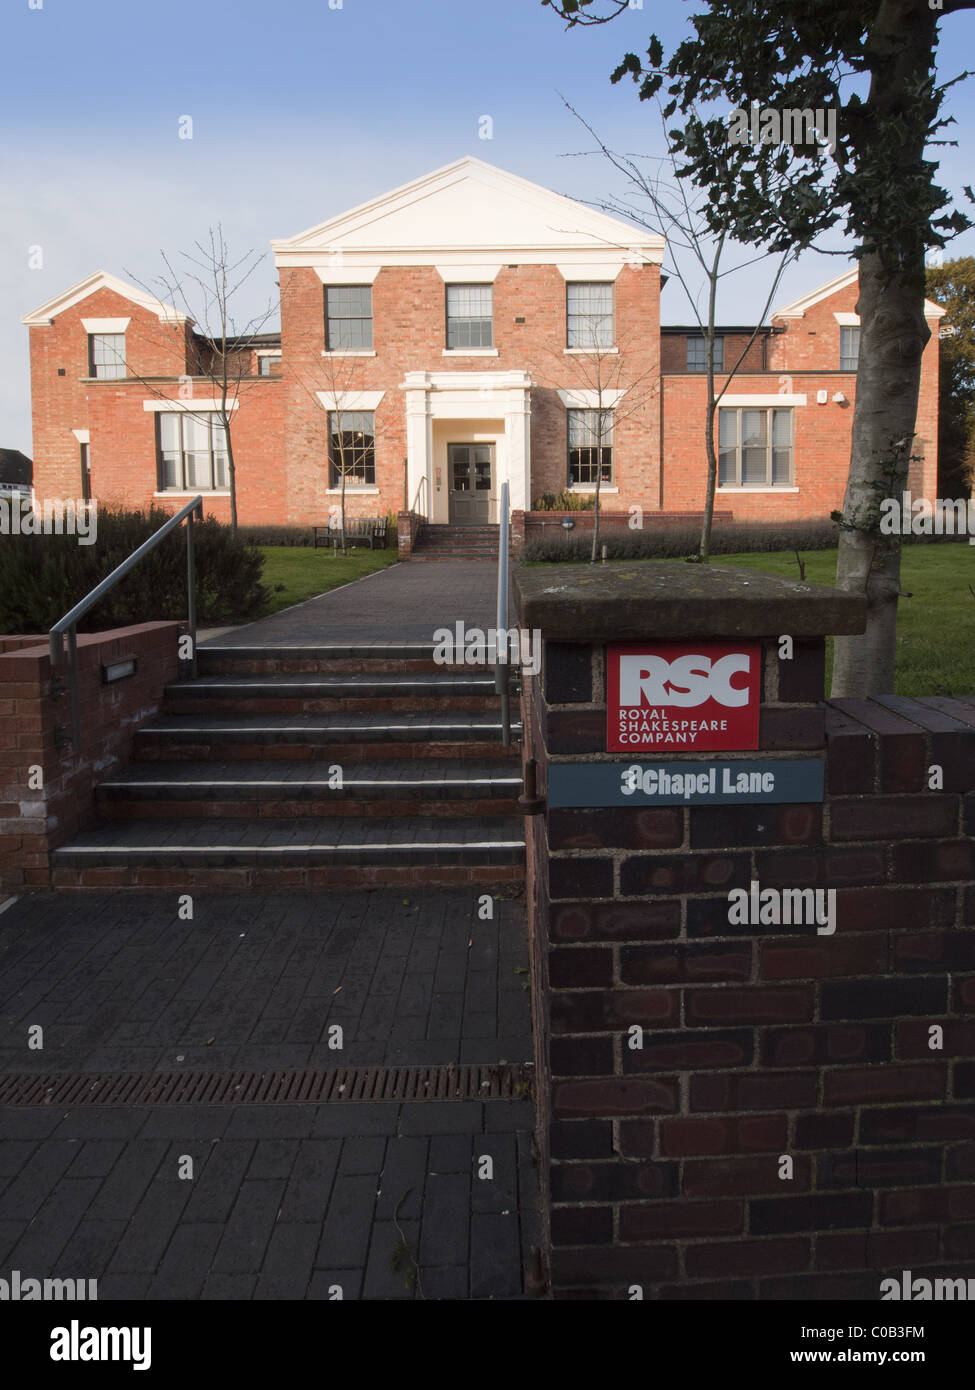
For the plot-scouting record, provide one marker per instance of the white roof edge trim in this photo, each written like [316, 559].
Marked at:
[798, 307]
[101, 280]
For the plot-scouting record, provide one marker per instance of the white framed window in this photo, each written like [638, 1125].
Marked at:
[192, 452]
[849, 347]
[348, 318]
[106, 356]
[352, 448]
[589, 314]
[470, 316]
[590, 450]
[755, 448]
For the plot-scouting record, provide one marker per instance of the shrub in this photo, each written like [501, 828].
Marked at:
[565, 502]
[42, 577]
[660, 543]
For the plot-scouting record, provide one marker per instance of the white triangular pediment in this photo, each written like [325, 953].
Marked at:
[473, 212]
[101, 280]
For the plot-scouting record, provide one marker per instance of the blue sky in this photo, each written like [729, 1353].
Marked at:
[300, 111]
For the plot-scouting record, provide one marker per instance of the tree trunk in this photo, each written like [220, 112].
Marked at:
[892, 337]
[893, 333]
[231, 476]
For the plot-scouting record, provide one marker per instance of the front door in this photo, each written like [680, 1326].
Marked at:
[471, 471]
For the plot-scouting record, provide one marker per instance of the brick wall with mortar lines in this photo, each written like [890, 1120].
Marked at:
[760, 1041]
[35, 820]
[122, 445]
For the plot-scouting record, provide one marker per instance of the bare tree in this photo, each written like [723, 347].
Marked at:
[601, 370]
[206, 291]
[660, 202]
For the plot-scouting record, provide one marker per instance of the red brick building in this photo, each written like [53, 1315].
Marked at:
[466, 329]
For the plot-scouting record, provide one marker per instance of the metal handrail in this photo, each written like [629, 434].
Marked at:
[422, 486]
[68, 625]
[501, 624]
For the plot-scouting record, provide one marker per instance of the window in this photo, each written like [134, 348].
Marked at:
[585, 455]
[268, 366]
[106, 355]
[754, 448]
[348, 318]
[849, 347]
[470, 316]
[697, 354]
[352, 448]
[192, 452]
[589, 316]
[85, 473]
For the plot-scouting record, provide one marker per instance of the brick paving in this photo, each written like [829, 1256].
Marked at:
[404, 603]
[286, 1201]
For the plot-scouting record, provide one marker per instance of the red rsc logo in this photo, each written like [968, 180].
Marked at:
[673, 698]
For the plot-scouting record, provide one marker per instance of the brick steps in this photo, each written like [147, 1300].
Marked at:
[317, 694]
[439, 542]
[277, 790]
[230, 788]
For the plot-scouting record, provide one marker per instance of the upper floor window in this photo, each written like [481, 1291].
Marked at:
[192, 452]
[352, 448]
[470, 316]
[590, 450]
[106, 355]
[697, 354]
[849, 347]
[348, 318]
[268, 366]
[754, 448]
[589, 315]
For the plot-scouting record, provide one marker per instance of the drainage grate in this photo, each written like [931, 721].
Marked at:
[501, 1081]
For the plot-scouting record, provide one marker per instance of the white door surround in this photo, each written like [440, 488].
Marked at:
[472, 397]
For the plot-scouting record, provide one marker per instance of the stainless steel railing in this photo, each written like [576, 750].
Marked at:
[66, 629]
[501, 684]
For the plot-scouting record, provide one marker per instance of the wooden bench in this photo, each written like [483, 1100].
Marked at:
[357, 528]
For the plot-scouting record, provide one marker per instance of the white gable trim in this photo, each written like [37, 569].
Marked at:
[552, 224]
[797, 309]
[349, 400]
[105, 325]
[101, 280]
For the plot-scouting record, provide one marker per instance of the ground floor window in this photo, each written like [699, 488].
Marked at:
[754, 448]
[352, 448]
[192, 452]
[590, 457]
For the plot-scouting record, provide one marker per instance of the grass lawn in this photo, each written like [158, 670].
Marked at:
[296, 572]
[935, 628]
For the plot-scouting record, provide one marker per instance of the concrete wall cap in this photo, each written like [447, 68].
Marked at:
[667, 600]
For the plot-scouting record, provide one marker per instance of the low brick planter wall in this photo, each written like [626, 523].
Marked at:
[46, 786]
[799, 1121]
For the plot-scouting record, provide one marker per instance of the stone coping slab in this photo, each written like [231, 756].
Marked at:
[631, 600]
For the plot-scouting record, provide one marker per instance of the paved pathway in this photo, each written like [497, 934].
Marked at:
[383, 1199]
[404, 603]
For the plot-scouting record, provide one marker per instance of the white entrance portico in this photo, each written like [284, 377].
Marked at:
[458, 408]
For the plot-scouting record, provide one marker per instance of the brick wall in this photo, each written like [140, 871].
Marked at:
[662, 1165]
[38, 813]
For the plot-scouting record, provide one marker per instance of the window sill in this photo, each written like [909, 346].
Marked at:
[352, 352]
[200, 491]
[589, 489]
[350, 488]
[469, 352]
[757, 489]
[586, 352]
